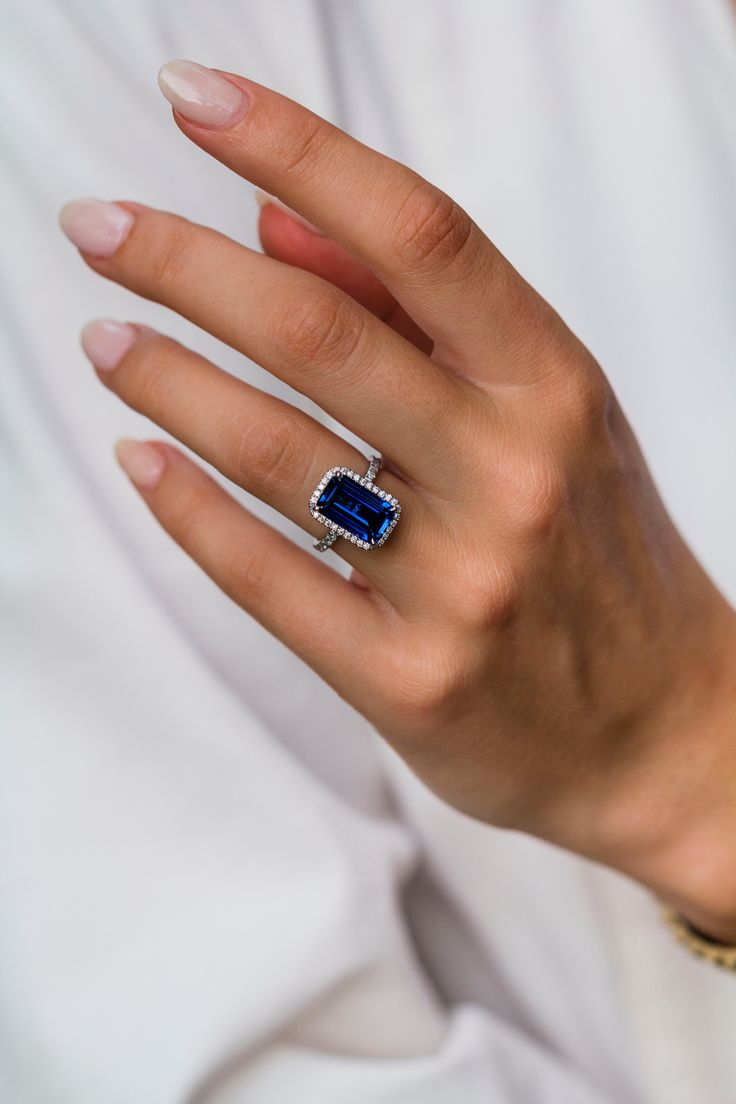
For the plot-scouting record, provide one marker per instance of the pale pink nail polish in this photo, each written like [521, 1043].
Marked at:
[201, 95]
[263, 199]
[106, 342]
[142, 463]
[95, 227]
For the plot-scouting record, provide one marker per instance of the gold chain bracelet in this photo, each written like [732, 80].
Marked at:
[720, 954]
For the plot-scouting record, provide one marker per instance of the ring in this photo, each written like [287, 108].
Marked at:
[353, 507]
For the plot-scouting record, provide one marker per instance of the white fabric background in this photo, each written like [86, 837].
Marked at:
[215, 884]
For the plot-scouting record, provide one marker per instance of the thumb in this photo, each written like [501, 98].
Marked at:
[287, 237]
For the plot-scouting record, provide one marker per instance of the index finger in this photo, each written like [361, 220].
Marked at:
[423, 246]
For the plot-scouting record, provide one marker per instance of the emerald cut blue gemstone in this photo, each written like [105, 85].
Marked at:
[356, 508]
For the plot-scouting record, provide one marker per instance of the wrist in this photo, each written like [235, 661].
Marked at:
[698, 880]
[674, 830]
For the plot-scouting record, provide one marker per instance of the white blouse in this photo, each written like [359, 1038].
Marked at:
[216, 884]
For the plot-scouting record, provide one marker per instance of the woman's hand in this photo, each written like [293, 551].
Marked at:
[535, 639]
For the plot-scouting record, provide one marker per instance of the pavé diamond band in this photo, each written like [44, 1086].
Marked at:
[350, 505]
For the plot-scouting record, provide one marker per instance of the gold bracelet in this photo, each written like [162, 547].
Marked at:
[720, 954]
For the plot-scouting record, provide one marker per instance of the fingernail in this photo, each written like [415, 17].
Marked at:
[142, 463]
[106, 342]
[201, 95]
[95, 227]
[263, 199]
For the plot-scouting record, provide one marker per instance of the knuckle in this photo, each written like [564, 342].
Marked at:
[589, 401]
[269, 453]
[542, 499]
[153, 372]
[323, 330]
[487, 597]
[237, 568]
[430, 229]
[307, 147]
[427, 689]
[246, 578]
[169, 257]
[189, 517]
[578, 395]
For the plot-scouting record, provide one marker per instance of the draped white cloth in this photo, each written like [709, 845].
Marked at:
[216, 885]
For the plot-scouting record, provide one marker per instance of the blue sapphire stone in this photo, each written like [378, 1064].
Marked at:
[362, 512]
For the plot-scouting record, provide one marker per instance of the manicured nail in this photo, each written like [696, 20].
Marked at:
[106, 342]
[263, 199]
[142, 463]
[201, 95]
[95, 227]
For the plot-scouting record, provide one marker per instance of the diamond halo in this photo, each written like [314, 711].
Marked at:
[336, 530]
